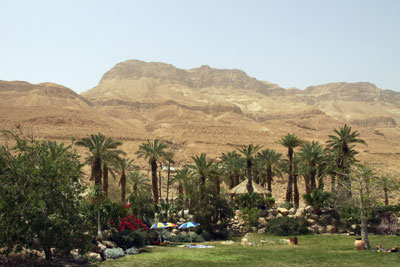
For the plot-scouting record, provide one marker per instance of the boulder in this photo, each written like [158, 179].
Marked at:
[182, 220]
[292, 211]
[94, 256]
[274, 212]
[109, 244]
[283, 211]
[244, 241]
[270, 217]
[299, 212]
[261, 231]
[314, 216]
[228, 242]
[238, 213]
[279, 215]
[331, 229]
[79, 259]
[311, 221]
[175, 231]
[100, 248]
[253, 229]
[262, 222]
[325, 219]
[107, 234]
[308, 209]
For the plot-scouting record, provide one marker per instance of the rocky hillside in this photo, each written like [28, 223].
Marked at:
[204, 110]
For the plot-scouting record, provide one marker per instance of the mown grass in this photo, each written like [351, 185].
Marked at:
[313, 250]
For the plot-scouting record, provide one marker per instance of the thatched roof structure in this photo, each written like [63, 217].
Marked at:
[242, 188]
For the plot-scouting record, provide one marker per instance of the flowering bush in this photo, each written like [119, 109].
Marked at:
[130, 222]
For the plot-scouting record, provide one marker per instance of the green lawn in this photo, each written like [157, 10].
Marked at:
[313, 250]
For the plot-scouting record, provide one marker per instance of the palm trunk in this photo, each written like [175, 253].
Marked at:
[333, 182]
[269, 180]
[256, 176]
[217, 186]
[307, 181]
[154, 180]
[312, 179]
[96, 170]
[290, 179]
[123, 186]
[169, 173]
[159, 181]
[105, 179]
[250, 188]
[296, 192]
[237, 178]
[231, 182]
[385, 190]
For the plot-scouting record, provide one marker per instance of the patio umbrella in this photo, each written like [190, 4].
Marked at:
[158, 225]
[169, 224]
[189, 225]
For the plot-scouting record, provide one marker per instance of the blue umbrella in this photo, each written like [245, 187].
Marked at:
[188, 225]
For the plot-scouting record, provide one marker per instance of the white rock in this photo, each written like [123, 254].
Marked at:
[283, 211]
[94, 256]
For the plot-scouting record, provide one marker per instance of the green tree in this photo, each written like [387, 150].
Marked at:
[169, 158]
[232, 165]
[290, 141]
[98, 146]
[249, 152]
[271, 161]
[41, 197]
[312, 154]
[342, 144]
[138, 181]
[122, 166]
[153, 151]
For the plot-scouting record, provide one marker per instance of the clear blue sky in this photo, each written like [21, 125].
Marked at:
[292, 43]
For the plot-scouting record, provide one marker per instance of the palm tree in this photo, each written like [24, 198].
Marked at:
[271, 161]
[169, 158]
[312, 154]
[290, 141]
[138, 181]
[98, 146]
[122, 166]
[109, 159]
[248, 152]
[181, 178]
[201, 167]
[232, 164]
[153, 152]
[342, 144]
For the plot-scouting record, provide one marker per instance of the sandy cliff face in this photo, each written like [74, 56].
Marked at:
[204, 110]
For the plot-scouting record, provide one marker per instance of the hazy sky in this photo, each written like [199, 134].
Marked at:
[292, 43]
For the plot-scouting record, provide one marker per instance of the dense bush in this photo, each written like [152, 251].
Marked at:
[285, 226]
[250, 216]
[185, 237]
[41, 197]
[251, 200]
[269, 202]
[114, 253]
[143, 205]
[206, 235]
[350, 215]
[318, 199]
[128, 238]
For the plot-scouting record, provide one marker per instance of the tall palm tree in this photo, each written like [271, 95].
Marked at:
[343, 144]
[122, 166]
[153, 151]
[201, 167]
[109, 159]
[232, 164]
[248, 152]
[290, 141]
[169, 158]
[181, 179]
[312, 154]
[98, 145]
[271, 161]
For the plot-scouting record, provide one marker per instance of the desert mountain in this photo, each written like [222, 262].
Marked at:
[204, 110]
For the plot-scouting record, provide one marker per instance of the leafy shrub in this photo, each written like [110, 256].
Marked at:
[269, 202]
[285, 226]
[128, 238]
[132, 251]
[250, 216]
[318, 199]
[251, 200]
[350, 215]
[388, 224]
[206, 235]
[114, 253]
[287, 205]
[185, 237]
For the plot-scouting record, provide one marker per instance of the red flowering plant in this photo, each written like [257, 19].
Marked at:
[131, 222]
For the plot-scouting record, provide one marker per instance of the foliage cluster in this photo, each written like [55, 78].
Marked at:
[128, 238]
[187, 237]
[114, 253]
[285, 226]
